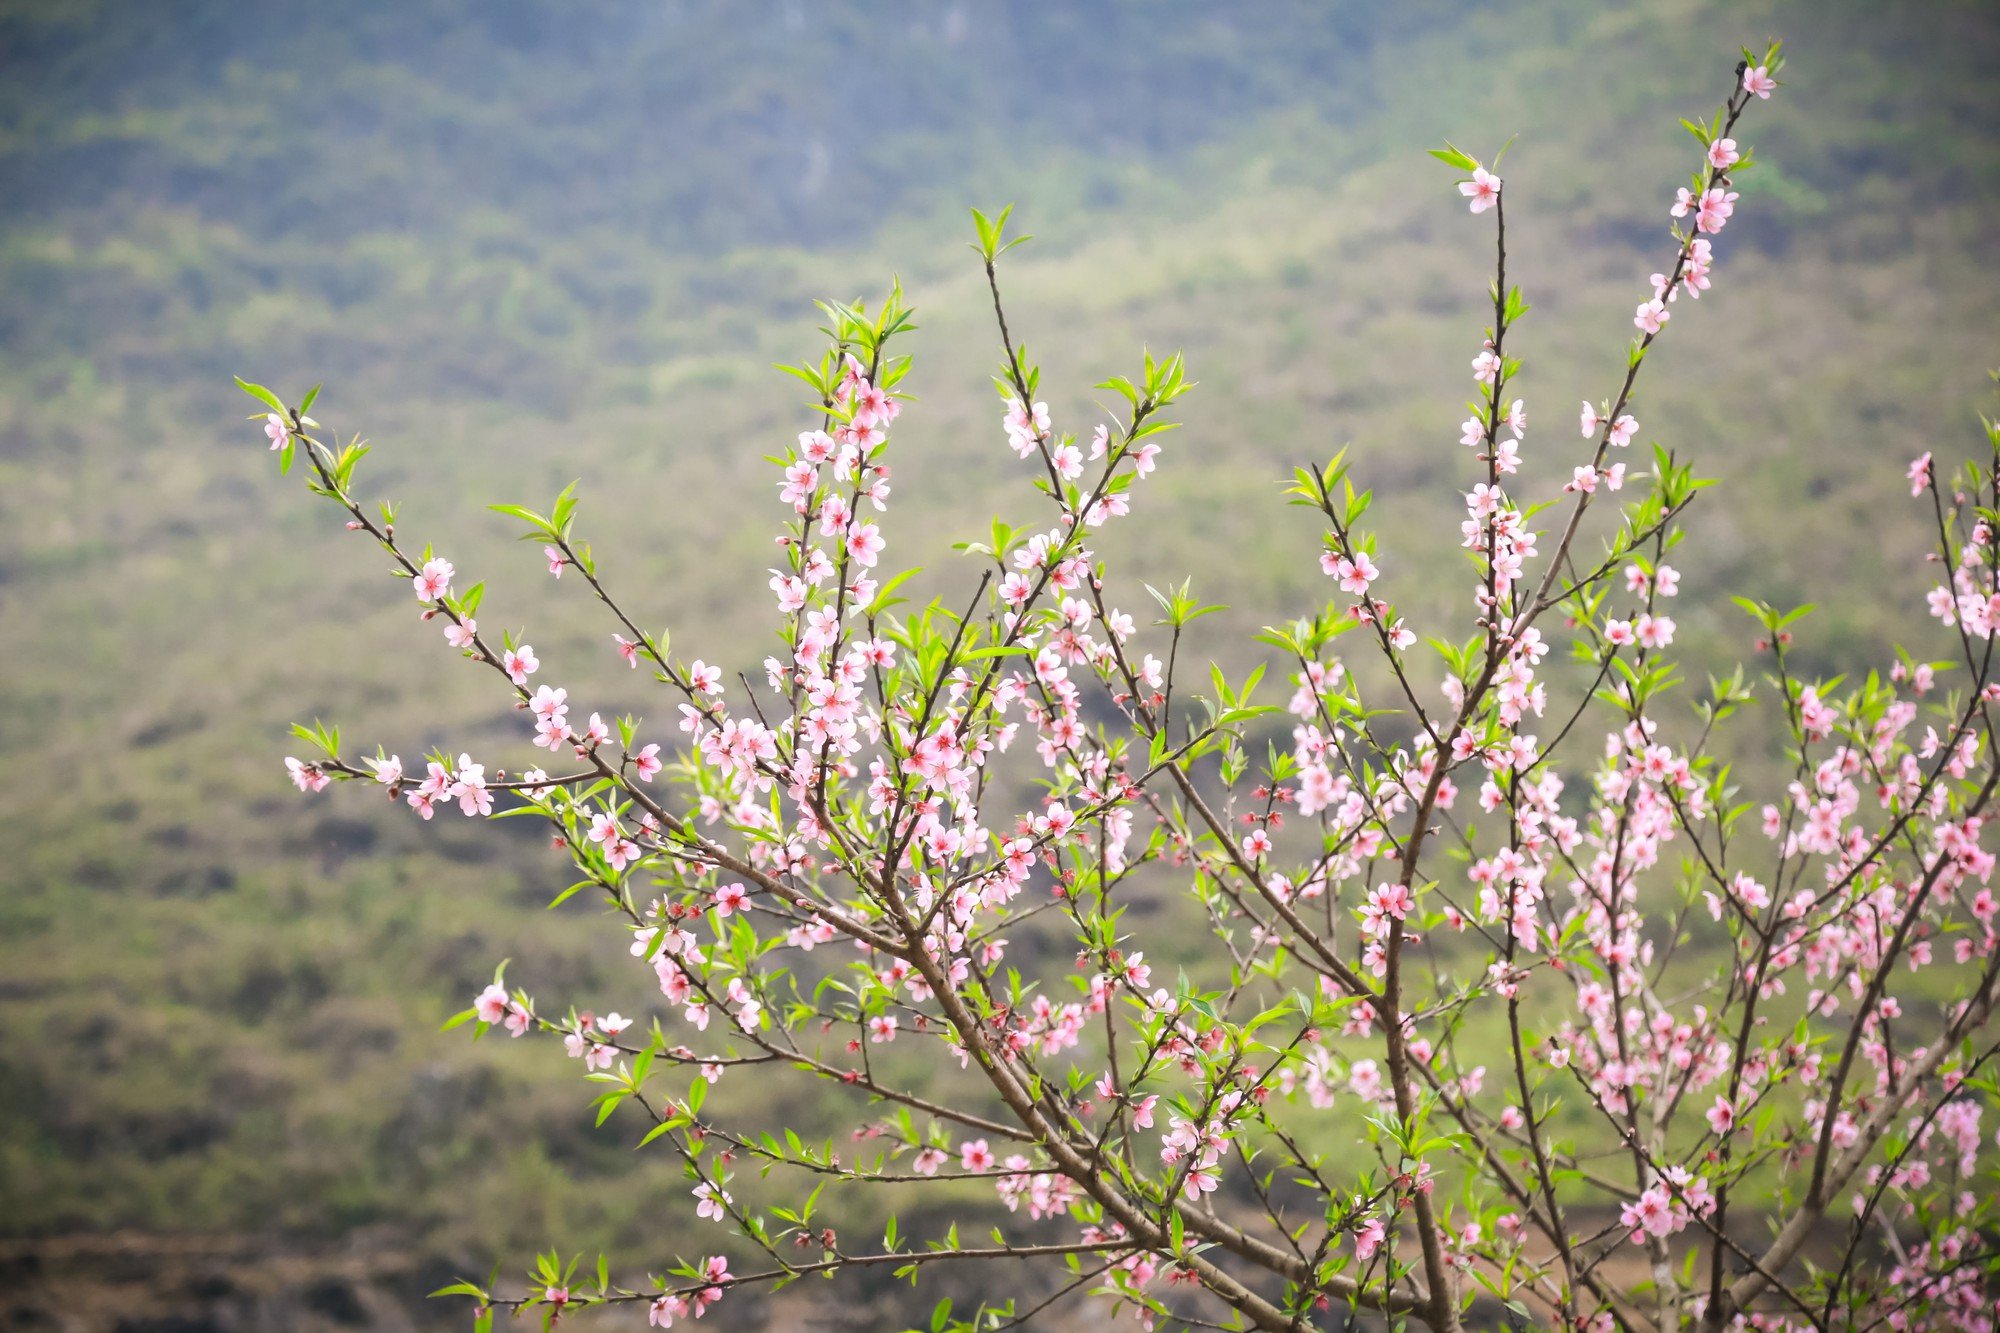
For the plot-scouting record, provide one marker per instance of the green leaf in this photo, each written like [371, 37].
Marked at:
[1452, 155]
[567, 894]
[1759, 613]
[811, 377]
[261, 394]
[989, 230]
[1796, 613]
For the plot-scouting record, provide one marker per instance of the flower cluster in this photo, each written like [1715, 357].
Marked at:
[1426, 983]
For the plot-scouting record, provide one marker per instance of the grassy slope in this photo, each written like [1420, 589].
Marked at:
[233, 992]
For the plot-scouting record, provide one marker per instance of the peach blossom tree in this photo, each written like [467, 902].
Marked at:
[1495, 997]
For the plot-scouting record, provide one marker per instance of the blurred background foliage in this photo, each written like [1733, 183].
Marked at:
[526, 242]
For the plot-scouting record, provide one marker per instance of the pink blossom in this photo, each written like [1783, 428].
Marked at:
[711, 1201]
[1722, 154]
[519, 664]
[436, 786]
[460, 633]
[834, 516]
[1622, 431]
[715, 1270]
[1391, 900]
[1354, 574]
[975, 1156]
[791, 591]
[491, 1004]
[801, 480]
[1942, 604]
[1590, 421]
[433, 581]
[815, 446]
[860, 440]
[1206, 1180]
[1715, 209]
[1759, 81]
[277, 430]
[864, 543]
[1651, 315]
[1652, 1214]
[869, 404]
[1483, 189]
[306, 777]
[1654, 631]
[1025, 429]
[647, 763]
[469, 787]
[556, 560]
[1920, 474]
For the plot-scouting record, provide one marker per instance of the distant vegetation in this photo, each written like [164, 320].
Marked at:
[527, 243]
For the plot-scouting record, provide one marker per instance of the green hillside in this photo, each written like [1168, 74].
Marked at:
[525, 244]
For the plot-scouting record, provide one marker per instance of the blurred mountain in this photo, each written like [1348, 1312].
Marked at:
[525, 243]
